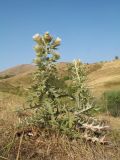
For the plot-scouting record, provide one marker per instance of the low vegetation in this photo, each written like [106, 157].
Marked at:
[112, 100]
[6, 76]
[58, 121]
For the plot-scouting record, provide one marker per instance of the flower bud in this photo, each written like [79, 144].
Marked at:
[47, 37]
[38, 38]
[56, 42]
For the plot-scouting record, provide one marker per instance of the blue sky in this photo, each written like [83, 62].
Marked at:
[90, 29]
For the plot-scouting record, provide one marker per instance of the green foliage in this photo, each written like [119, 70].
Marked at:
[46, 82]
[48, 90]
[58, 107]
[112, 99]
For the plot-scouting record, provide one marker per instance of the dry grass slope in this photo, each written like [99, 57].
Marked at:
[101, 76]
[105, 78]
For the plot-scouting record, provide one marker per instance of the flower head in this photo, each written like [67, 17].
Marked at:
[47, 37]
[37, 38]
[56, 42]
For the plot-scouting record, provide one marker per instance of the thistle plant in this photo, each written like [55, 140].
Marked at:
[80, 91]
[46, 94]
[93, 130]
[45, 78]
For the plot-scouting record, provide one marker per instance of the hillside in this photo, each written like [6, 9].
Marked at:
[18, 75]
[101, 76]
[106, 77]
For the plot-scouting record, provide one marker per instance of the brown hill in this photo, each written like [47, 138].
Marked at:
[20, 69]
[101, 76]
[18, 75]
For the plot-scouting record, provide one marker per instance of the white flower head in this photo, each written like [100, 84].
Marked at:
[57, 42]
[36, 37]
[58, 39]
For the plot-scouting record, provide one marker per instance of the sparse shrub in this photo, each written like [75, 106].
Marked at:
[112, 83]
[116, 57]
[8, 88]
[112, 99]
[93, 67]
[6, 76]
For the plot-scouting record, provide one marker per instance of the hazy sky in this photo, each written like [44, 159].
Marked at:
[90, 29]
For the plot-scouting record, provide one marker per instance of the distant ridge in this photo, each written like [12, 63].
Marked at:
[19, 69]
[102, 76]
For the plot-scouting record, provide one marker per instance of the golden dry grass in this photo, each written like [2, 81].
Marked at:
[9, 104]
[44, 146]
[105, 78]
[57, 148]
